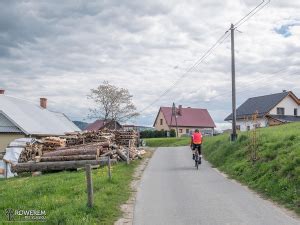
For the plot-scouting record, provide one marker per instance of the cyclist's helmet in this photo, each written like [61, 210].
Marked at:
[197, 130]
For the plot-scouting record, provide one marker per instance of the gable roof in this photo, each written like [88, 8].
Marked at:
[32, 119]
[190, 117]
[6, 126]
[99, 124]
[261, 104]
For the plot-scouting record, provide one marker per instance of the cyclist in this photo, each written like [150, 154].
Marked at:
[196, 141]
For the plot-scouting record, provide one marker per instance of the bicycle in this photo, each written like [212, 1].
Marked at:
[197, 158]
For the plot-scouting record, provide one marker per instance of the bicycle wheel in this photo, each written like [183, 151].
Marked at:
[197, 161]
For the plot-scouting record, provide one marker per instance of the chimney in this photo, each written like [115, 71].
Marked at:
[2, 92]
[43, 102]
[180, 110]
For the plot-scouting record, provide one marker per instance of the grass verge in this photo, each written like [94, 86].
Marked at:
[167, 142]
[276, 173]
[63, 195]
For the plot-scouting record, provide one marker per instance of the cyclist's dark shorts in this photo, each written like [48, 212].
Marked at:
[197, 146]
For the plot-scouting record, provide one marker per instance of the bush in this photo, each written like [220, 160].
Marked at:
[153, 133]
[172, 133]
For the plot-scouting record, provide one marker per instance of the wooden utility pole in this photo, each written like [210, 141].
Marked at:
[174, 114]
[234, 134]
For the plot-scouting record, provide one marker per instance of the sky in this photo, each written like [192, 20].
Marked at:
[62, 49]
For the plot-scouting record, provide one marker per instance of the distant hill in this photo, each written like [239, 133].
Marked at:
[80, 124]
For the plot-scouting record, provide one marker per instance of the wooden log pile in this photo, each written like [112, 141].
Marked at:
[30, 152]
[126, 138]
[56, 166]
[51, 143]
[74, 149]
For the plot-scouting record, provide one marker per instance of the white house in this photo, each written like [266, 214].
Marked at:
[271, 110]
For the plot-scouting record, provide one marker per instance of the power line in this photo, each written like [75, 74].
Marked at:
[236, 24]
[209, 51]
[191, 69]
[266, 76]
[251, 13]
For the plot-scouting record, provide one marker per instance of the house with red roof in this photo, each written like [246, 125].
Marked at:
[101, 124]
[188, 119]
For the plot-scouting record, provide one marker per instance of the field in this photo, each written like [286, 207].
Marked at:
[276, 173]
[167, 142]
[63, 195]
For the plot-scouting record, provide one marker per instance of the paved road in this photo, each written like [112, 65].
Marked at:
[173, 192]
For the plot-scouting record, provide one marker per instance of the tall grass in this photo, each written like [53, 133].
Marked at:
[63, 195]
[276, 173]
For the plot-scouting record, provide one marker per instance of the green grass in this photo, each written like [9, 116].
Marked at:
[167, 142]
[63, 195]
[276, 173]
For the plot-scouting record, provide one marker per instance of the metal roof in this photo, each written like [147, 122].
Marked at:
[7, 126]
[33, 119]
[261, 104]
[190, 117]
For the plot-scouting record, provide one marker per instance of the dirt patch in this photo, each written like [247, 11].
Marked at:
[128, 207]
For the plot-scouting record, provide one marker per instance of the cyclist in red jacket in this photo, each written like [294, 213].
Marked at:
[196, 141]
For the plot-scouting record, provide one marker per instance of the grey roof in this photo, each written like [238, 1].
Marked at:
[6, 126]
[261, 104]
[31, 119]
[285, 118]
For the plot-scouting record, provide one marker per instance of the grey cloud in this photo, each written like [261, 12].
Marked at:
[61, 49]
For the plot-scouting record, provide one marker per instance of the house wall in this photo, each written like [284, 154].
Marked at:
[262, 122]
[6, 138]
[288, 104]
[157, 125]
[190, 130]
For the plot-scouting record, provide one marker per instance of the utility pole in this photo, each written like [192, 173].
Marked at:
[233, 135]
[174, 114]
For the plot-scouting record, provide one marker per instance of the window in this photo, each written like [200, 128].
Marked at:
[161, 121]
[248, 127]
[295, 112]
[187, 131]
[238, 127]
[280, 111]
[180, 130]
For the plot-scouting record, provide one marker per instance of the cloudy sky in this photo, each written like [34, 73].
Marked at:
[62, 49]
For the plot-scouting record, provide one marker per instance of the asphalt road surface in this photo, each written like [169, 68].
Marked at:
[172, 191]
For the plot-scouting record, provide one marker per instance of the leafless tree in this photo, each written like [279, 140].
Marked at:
[112, 103]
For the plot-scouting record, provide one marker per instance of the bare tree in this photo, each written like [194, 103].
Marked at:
[112, 103]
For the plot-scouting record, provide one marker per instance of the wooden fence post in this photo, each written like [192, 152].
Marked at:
[89, 182]
[6, 168]
[109, 167]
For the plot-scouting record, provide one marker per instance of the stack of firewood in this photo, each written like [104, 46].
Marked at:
[126, 138]
[31, 151]
[51, 143]
[74, 149]
[89, 137]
